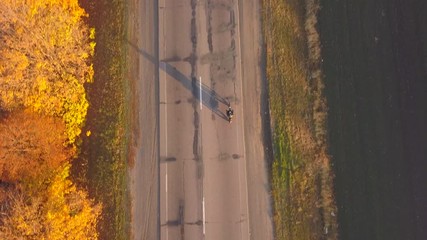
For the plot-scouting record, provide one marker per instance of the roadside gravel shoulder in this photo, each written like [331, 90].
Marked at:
[257, 120]
[143, 153]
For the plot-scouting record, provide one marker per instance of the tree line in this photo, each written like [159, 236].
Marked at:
[45, 61]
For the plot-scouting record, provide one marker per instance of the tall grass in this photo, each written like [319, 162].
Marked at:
[102, 164]
[304, 206]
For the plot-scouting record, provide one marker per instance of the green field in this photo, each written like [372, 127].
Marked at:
[301, 177]
[102, 164]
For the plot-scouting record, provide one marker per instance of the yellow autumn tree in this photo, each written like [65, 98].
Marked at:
[69, 213]
[45, 59]
[57, 211]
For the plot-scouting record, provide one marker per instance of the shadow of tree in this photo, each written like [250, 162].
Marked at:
[201, 92]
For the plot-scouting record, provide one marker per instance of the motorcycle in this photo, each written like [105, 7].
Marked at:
[230, 114]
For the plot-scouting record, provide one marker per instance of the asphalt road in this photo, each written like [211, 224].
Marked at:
[203, 186]
[201, 190]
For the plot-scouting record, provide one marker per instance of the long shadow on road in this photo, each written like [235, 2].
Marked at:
[200, 91]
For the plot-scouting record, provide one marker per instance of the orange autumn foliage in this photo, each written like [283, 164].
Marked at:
[45, 61]
[31, 145]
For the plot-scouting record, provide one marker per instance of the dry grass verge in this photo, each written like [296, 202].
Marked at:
[304, 206]
[102, 164]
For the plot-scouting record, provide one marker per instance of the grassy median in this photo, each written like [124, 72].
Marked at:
[302, 188]
[102, 163]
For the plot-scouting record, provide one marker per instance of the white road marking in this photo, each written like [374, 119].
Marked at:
[204, 216]
[201, 154]
[164, 77]
[166, 200]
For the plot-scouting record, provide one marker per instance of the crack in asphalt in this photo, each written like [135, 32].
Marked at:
[192, 60]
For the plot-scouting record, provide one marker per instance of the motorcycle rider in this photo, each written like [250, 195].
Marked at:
[229, 113]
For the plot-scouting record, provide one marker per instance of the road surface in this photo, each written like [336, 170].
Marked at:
[205, 164]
